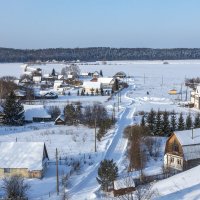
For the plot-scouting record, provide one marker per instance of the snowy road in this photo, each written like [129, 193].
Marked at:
[87, 186]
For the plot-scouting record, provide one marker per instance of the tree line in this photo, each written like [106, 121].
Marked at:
[96, 53]
[164, 123]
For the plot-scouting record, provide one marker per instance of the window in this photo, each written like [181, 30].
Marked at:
[6, 170]
[178, 161]
[172, 160]
[175, 147]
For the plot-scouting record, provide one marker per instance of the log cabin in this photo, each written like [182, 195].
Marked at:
[182, 150]
[27, 159]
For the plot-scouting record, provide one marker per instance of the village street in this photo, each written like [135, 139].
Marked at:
[87, 186]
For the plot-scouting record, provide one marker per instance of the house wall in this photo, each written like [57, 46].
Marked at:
[14, 171]
[195, 99]
[21, 172]
[173, 161]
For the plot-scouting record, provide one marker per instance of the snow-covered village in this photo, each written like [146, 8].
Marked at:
[99, 100]
[63, 125]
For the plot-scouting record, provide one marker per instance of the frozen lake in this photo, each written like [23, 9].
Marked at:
[175, 70]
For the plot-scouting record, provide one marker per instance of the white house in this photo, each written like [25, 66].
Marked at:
[195, 97]
[91, 87]
[106, 82]
[37, 79]
[28, 159]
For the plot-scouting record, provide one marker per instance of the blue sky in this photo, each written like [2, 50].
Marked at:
[89, 23]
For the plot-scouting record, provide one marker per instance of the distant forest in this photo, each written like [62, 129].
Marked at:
[96, 54]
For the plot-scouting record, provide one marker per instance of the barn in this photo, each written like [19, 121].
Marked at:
[27, 159]
[182, 150]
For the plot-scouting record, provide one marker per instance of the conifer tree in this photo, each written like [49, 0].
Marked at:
[70, 114]
[101, 73]
[188, 124]
[173, 122]
[166, 124]
[53, 73]
[78, 93]
[151, 120]
[197, 121]
[13, 110]
[181, 124]
[158, 126]
[143, 123]
[107, 173]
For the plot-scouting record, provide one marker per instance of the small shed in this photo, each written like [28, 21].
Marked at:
[60, 120]
[27, 159]
[123, 186]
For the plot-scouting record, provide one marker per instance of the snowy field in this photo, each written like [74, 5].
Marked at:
[78, 142]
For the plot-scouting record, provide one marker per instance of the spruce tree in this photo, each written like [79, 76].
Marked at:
[13, 110]
[188, 124]
[101, 73]
[53, 73]
[158, 126]
[151, 120]
[143, 121]
[107, 174]
[173, 123]
[181, 124]
[166, 124]
[197, 121]
[70, 114]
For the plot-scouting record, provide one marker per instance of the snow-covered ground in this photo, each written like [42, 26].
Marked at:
[78, 142]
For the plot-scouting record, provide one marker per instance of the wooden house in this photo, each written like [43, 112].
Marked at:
[123, 186]
[182, 150]
[60, 120]
[27, 159]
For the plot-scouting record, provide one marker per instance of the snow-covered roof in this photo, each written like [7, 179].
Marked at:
[88, 84]
[60, 76]
[124, 183]
[35, 111]
[20, 93]
[105, 80]
[62, 117]
[190, 145]
[28, 155]
[185, 137]
[37, 78]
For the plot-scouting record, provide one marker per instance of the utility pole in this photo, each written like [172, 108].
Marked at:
[118, 100]
[95, 132]
[120, 96]
[181, 91]
[186, 94]
[57, 175]
[114, 112]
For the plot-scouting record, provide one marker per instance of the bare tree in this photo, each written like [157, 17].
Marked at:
[15, 187]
